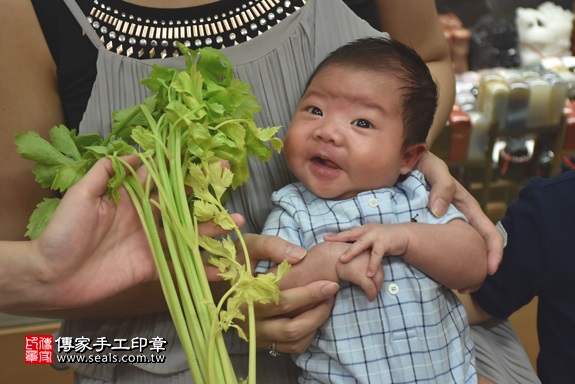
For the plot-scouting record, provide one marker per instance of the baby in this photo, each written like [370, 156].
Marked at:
[354, 140]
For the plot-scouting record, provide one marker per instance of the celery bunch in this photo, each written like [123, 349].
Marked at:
[195, 119]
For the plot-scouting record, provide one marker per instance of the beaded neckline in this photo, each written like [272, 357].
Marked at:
[130, 32]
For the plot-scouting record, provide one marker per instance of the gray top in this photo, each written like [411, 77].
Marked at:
[277, 66]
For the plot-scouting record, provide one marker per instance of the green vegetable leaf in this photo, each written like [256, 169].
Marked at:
[189, 83]
[41, 217]
[225, 247]
[227, 321]
[236, 132]
[97, 151]
[200, 135]
[200, 184]
[204, 211]
[116, 181]
[87, 140]
[220, 179]
[68, 175]
[276, 144]
[144, 138]
[158, 82]
[63, 140]
[244, 100]
[264, 134]
[33, 147]
[215, 67]
[224, 220]
[45, 174]
[178, 112]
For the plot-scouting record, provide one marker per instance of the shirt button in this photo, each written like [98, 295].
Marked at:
[372, 202]
[393, 289]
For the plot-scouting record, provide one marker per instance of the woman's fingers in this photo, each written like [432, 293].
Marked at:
[96, 180]
[467, 204]
[295, 299]
[293, 323]
[293, 335]
[262, 247]
[347, 235]
[494, 242]
[212, 229]
[442, 183]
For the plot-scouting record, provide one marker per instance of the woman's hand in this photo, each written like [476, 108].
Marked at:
[293, 322]
[92, 248]
[477, 218]
[293, 334]
[443, 185]
[445, 189]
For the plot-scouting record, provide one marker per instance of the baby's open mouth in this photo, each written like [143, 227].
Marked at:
[320, 161]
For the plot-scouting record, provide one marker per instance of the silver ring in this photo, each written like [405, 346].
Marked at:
[273, 350]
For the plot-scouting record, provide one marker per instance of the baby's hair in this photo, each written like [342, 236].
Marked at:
[389, 57]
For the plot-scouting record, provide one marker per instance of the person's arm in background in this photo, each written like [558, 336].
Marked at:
[536, 244]
[416, 24]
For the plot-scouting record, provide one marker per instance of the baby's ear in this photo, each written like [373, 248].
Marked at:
[411, 156]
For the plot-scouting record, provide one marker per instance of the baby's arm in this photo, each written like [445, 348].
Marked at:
[322, 260]
[454, 254]
[322, 263]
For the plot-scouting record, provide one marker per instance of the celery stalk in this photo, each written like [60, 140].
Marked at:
[194, 120]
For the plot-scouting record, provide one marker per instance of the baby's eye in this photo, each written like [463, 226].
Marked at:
[362, 123]
[315, 111]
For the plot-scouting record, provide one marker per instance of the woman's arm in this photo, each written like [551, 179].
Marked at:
[416, 24]
[29, 100]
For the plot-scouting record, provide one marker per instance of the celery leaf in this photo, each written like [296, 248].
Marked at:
[41, 217]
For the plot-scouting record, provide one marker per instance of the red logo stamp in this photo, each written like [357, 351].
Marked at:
[38, 349]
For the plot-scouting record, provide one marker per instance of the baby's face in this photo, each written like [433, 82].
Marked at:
[346, 135]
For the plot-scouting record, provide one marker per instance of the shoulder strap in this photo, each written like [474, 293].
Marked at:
[83, 21]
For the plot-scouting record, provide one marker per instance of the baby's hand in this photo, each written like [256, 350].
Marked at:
[354, 272]
[382, 239]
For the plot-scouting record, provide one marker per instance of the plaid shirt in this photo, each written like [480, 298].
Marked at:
[415, 331]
